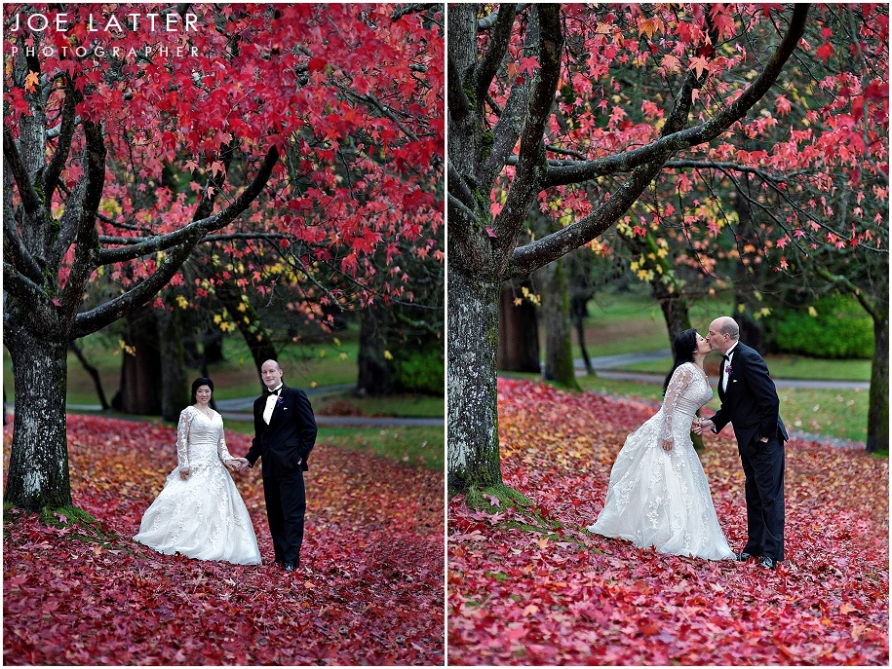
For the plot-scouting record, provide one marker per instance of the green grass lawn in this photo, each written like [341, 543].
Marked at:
[624, 323]
[783, 367]
[836, 413]
[420, 446]
[345, 403]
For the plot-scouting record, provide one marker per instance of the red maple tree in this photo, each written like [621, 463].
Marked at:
[106, 104]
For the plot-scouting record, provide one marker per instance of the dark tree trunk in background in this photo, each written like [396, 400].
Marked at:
[175, 388]
[374, 370]
[248, 321]
[749, 281]
[878, 411]
[559, 365]
[212, 348]
[518, 330]
[140, 390]
[92, 371]
[578, 314]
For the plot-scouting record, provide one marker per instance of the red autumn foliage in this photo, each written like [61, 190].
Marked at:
[370, 589]
[519, 597]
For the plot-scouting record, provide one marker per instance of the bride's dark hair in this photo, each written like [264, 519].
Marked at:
[685, 345]
[198, 383]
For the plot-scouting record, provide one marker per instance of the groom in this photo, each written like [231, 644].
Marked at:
[750, 402]
[285, 432]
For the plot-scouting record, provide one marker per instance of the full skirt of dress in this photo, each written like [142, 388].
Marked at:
[660, 498]
[203, 517]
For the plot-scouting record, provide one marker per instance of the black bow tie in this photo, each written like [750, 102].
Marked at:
[726, 357]
[267, 393]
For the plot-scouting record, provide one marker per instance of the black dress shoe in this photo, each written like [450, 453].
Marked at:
[744, 556]
[290, 566]
[768, 563]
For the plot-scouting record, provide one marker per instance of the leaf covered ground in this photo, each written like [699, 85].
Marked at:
[370, 589]
[531, 586]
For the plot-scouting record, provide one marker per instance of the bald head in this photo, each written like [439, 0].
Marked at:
[271, 374]
[723, 333]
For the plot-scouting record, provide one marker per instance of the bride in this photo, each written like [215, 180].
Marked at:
[658, 493]
[200, 512]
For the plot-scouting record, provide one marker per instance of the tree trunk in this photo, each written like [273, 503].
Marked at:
[518, 331]
[92, 371]
[38, 461]
[473, 311]
[559, 365]
[248, 321]
[140, 391]
[174, 385]
[748, 282]
[878, 411]
[578, 313]
[374, 372]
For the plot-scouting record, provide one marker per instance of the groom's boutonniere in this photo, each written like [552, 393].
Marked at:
[281, 400]
[729, 370]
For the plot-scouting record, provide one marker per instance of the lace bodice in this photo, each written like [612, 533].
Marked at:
[200, 439]
[688, 390]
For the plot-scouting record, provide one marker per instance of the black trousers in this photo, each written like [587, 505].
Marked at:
[763, 465]
[286, 505]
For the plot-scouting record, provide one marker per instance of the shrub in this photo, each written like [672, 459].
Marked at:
[841, 329]
[420, 371]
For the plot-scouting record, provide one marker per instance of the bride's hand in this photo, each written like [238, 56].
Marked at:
[697, 426]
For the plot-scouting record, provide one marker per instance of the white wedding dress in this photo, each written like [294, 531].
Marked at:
[661, 498]
[204, 516]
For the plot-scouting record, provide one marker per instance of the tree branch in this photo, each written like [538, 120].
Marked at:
[529, 169]
[705, 132]
[844, 283]
[498, 45]
[205, 225]
[30, 200]
[63, 146]
[459, 106]
[459, 187]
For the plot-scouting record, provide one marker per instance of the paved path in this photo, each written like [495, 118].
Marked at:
[242, 409]
[603, 365]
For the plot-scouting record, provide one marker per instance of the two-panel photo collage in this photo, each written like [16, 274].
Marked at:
[464, 334]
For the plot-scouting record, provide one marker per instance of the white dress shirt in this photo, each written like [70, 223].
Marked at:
[271, 404]
[727, 363]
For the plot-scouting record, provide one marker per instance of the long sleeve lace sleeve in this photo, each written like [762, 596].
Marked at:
[680, 381]
[222, 451]
[183, 426]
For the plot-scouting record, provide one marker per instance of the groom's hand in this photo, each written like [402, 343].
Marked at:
[706, 424]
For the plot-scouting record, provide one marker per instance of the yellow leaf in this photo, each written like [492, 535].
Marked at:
[31, 81]
[388, 355]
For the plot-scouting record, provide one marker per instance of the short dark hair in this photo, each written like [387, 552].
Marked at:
[198, 383]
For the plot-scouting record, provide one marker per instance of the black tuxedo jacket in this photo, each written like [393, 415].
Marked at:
[750, 402]
[290, 435]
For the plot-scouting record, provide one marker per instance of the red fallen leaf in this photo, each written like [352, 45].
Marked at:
[373, 560]
[581, 599]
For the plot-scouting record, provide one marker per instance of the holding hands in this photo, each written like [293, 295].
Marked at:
[236, 464]
[701, 424]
